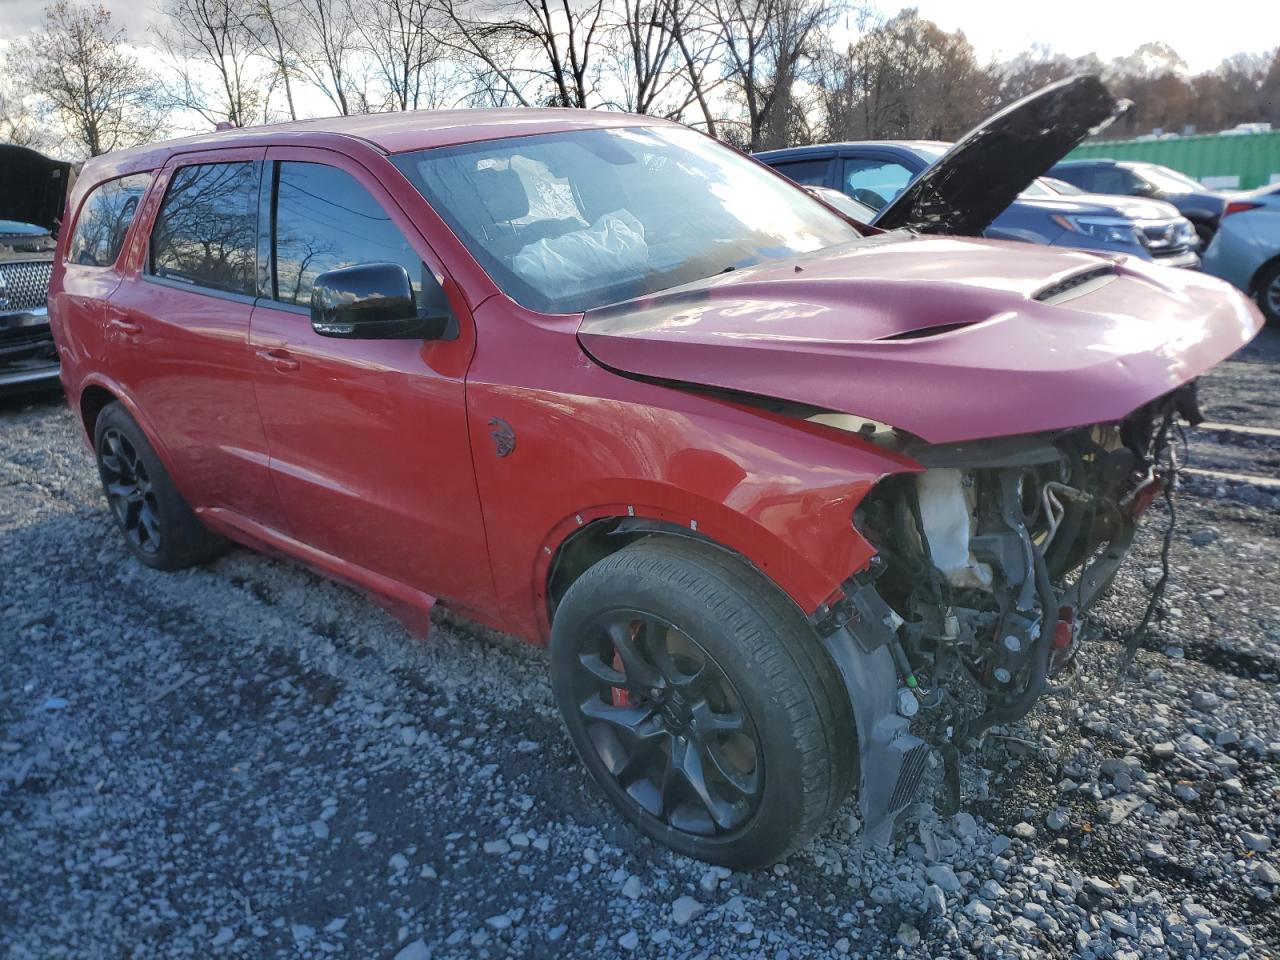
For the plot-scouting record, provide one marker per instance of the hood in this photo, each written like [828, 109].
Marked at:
[33, 187]
[1135, 208]
[1101, 205]
[970, 185]
[948, 339]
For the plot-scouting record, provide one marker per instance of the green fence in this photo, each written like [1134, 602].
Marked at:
[1231, 162]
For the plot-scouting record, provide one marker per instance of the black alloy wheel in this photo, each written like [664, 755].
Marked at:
[701, 702]
[667, 723]
[129, 491]
[159, 527]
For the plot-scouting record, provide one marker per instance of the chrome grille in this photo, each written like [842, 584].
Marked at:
[25, 285]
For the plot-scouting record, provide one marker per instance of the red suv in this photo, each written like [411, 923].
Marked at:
[769, 482]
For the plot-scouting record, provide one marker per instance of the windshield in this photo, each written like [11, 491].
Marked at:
[568, 222]
[1165, 179]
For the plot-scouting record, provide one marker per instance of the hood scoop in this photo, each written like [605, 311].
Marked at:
[921, 333]
[1077, 285]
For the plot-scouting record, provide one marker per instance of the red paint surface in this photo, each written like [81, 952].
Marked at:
[373, 462]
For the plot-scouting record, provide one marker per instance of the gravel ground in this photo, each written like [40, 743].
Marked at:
[247, 760]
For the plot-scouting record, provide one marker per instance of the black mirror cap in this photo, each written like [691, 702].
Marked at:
[371, 301]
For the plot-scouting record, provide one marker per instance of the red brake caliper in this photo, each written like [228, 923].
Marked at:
[619, 695]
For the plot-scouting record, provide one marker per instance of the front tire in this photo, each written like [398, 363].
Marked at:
[1268, 291]
[159, 528]
[701, 702]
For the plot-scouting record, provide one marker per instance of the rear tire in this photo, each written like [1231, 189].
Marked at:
[701, 702]
[159, 528]
[1268, 292]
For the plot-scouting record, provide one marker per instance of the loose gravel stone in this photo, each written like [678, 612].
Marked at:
[685, 910]
[246, 760]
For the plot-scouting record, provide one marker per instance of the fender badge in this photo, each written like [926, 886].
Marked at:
[504, 438]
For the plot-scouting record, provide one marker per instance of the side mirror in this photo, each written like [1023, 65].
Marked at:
[371, 301]
[1143, 189]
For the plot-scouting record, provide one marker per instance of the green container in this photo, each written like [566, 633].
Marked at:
[1239, 162]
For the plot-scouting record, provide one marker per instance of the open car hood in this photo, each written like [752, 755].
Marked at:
[972, 183]
[946, 338]
[33, 187]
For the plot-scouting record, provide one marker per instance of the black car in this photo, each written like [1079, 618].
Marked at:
[33, 189]
[1133, 178]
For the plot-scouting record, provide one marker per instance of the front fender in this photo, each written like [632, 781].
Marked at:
[778, 491]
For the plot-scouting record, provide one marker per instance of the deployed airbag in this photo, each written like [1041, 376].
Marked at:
[613, 247]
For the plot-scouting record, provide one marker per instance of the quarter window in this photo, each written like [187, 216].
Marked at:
[206, 232]
[104, 220]
[326, 220]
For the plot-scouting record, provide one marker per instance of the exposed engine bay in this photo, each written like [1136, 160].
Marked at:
[990, 561]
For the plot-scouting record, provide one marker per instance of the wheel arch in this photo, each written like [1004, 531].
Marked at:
[1262, 268]
[93, 400]
[96, 393]
[604, 536]
[591, 535]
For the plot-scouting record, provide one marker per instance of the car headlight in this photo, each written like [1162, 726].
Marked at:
[1105, 229]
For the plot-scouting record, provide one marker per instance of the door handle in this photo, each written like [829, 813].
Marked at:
[282, 360]
[126, 327]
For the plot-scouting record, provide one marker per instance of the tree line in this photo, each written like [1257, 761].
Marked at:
[757, 73]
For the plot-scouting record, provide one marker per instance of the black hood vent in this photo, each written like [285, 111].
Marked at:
[1077, 285]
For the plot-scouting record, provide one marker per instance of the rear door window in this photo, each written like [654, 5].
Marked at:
[104, 220]
[326, 220]
[206, 233]
[810, 173]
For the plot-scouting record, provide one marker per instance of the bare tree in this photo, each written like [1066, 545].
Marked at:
[211, 48]
[402, 38]
[325, 47]
[642, 49]
[659, 55]
[19, 124]
[765, 48]
[80, 74]
[523, 44]
[273, 25]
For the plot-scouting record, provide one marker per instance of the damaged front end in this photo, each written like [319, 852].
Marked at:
[989, 562]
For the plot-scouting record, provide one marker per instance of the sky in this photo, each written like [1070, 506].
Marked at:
[998, 29]
[1204, 34]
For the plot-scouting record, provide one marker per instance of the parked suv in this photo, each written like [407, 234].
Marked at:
[33, 189]
[876, 172]
[1202, 206]
[768, 483]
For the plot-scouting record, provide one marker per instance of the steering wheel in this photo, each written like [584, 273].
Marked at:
[869, 197]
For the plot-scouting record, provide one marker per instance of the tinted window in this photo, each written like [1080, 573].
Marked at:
[104, 220]
[1081, 177]
[875, 182]
[207, 230]
[324, 221]
[812, 173]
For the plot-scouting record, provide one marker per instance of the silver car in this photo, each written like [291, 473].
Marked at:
[1246, 249]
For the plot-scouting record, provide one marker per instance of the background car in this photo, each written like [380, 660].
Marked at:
[33, 188]
[875, 172]
[1202, 206]
[1246, 249]
[844, 203]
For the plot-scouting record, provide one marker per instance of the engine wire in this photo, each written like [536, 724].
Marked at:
[1154, 609]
